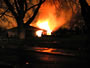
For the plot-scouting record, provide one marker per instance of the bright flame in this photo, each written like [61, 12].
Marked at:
[44, 25]
[39, 33]
[51, 17]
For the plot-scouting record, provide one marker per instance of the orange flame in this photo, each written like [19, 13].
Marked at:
[44, 25]
[50, 18]
[39, 33]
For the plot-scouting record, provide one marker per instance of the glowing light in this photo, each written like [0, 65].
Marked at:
[27, 62]
[51, 18]
[39, 33]
[44, 25]
[49, 50]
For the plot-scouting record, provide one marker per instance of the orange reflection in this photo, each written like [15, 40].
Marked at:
[53, 51]
[49, 50]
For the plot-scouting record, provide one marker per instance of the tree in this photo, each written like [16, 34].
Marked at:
[76, 6]
[18, 10]
[85, 10]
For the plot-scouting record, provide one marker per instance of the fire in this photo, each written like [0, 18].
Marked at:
[44, 25]
[39, 33]
[50, 18]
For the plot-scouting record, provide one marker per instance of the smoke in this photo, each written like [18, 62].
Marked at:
[55, 15]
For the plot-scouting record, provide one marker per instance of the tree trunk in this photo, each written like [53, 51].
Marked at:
[85, 10]
[21, 33]
[20, 49]
[21, 30]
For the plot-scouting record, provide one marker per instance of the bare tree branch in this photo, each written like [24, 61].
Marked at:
[31, 7]
[10, 7]
[3, 13]
[17, 7]
[21, 5]
[25, 5]
[8, 15]
[35, 13]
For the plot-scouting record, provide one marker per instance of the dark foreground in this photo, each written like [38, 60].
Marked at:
[13, 58]
[61, 54]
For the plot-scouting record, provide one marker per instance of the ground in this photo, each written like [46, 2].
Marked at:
[35, 52]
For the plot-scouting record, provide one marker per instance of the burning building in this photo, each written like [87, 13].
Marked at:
[31, 31]
[51, 17]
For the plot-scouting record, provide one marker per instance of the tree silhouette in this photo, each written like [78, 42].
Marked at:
[18, 10]
[85, 10]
